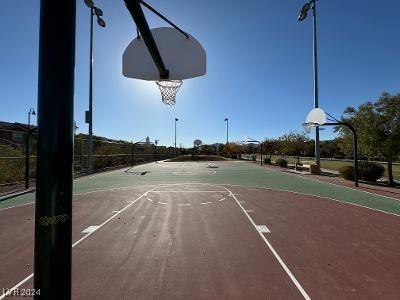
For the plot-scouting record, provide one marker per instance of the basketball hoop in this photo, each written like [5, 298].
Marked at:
[315, 118]
[307, 127]
[168, 89]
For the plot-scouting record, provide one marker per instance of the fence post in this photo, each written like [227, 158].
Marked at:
[102, 154]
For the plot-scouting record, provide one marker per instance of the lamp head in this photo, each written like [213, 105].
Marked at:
[89, 3]
[98, 12]
[101, 22]
[304, 10]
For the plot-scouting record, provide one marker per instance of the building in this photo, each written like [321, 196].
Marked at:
[13, 133]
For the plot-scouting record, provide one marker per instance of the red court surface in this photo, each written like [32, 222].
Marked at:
[199, 241]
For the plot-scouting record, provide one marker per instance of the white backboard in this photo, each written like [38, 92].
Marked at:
[183, 57]
[316, 116]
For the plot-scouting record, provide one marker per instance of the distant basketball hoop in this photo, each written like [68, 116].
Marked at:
[318, 117]
[315, 118]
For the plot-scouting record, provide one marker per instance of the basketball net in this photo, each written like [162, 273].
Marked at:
[307, 127]
[168, 89]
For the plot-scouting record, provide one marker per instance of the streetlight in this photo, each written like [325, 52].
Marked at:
[89, 114]
[27, 158]
[31, 112]
[227, 129]
[302, 16]
[176, 120]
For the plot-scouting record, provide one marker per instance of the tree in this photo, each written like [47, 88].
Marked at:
[232, 149]
[251, 148]
[293, 143]
[208, 149]
[378, 129]
[330, 148]
[270, 146]
[309, 148]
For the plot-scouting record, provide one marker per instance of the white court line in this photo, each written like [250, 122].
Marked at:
[222, 199]
[350, 188]
[74, 244]
[8, 293]
[90, 192]
[128, 187]
[17, 206]
[148, 199]
[263, 228]
[288, 272]
[183, 191]
[90, 229]
[206, 203]
[249, 210]
[164, 203]
[311, 195]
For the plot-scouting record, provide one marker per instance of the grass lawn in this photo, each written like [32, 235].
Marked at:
[336, 164]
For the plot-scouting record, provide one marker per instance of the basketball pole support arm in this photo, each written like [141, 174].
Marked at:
[261, 149]
[355, 151]
[135, 9]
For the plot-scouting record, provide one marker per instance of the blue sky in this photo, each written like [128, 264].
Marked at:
[259, 66]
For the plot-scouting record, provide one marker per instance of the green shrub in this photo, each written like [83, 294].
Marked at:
[281, 162]
[370, 171]
[253, 157]
[267, 161]
[347, 172]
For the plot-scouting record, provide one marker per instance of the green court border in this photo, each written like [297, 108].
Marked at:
[228, 173]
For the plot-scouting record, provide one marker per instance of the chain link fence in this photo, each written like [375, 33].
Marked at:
[107, 154]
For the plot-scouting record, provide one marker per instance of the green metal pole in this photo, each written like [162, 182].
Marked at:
[53, 216]
[90, 112]
[227, 128]
[316, 93]
[355, 147]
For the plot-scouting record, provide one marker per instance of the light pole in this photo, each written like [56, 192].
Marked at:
[155, 150]
[176, 120]
[31, 112]
[303, 15]
[27, 158]
[227, 130]
[89, 114]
